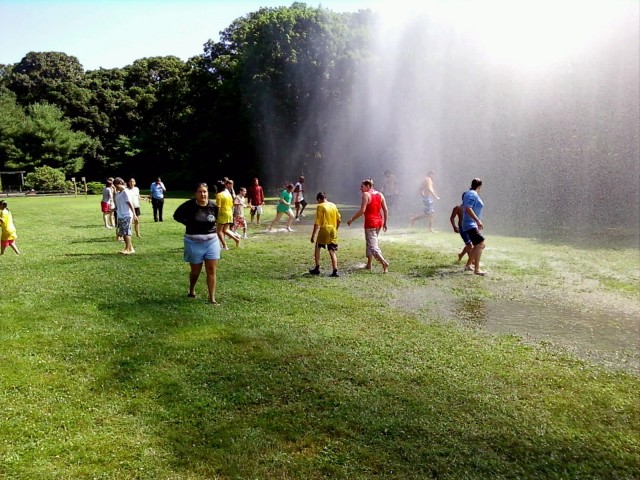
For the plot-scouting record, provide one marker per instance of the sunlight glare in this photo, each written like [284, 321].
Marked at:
[529, 34]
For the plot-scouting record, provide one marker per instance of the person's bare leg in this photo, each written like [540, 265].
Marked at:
[477, 253]
[275, 220]
[220, 232]
[231, 234]
[291, 219]
[211, 267]
[128, 247]
[15, 248]
[136, 227]
[334, 259]
[383, 262]
[194, 274]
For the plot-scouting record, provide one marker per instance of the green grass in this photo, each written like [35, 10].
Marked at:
[109, 371]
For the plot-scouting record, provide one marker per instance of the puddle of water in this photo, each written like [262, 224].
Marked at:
[605, 337]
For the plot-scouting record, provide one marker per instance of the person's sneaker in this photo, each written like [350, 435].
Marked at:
[335, 274]
[289, 229]
[297, 219]
[468, 268]
[480, 272]
[302, 215]
[314, 271]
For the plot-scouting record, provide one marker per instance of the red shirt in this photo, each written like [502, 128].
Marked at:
[372, 216]
[256, 195]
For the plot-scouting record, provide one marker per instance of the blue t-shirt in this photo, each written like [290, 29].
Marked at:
[470, 198]
[156, 191]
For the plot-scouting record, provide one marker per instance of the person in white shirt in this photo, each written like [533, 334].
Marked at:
[298, 198]
[134, 196]
[126, 214]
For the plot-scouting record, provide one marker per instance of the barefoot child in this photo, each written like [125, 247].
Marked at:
[9, 233]
[126, 214]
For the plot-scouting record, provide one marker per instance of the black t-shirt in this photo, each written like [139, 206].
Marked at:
[198, 220]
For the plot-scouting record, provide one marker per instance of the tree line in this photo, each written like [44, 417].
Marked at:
[235, 109]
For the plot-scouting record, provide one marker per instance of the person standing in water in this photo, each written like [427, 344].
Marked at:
[456, 222]
[429, 196]
[375, 211]
[472, 226]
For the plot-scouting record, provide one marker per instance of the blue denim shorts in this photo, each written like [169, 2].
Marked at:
[197, 252]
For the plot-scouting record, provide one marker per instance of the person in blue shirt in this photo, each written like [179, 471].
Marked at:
[472, 225]
[157, 199]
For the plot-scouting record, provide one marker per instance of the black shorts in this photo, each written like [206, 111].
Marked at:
[331, 247]
[475, 236]
[302, 202]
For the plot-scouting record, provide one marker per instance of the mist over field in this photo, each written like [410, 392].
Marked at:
[553, 133]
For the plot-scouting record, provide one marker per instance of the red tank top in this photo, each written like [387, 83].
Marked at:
[372, 217]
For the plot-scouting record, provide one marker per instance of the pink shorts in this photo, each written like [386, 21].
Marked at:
[104, 206]
[7, 243]
[240, 222]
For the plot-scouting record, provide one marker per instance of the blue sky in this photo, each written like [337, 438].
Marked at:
[114, 33]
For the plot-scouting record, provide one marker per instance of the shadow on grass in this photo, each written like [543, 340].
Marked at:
[239, 397]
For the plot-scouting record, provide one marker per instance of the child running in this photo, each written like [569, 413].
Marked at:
[9, 232]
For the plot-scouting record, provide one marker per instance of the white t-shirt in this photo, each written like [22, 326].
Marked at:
[134, 196]
[298, 195]
[122, 204]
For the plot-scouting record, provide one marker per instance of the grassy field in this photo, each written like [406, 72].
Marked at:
[109, 371]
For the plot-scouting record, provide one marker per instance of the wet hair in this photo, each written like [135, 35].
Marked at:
[475, 183]
[118, 181]
[368, 182]
[321, 196]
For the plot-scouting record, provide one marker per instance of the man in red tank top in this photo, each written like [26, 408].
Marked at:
[375, 211]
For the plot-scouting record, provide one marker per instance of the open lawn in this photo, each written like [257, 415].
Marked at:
[109, 371]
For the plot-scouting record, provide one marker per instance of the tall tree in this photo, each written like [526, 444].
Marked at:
[48, 139]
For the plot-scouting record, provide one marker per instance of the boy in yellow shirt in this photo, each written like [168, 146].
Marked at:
[326, 227]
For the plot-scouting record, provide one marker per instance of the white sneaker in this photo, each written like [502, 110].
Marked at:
[289, 229]
[302, 215]
[297, 219]
[245, 237]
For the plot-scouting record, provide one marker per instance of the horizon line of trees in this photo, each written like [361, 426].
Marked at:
[205, 118]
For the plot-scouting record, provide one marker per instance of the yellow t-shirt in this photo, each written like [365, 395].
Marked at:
[224, 201]
[327, 216]
[6, 223]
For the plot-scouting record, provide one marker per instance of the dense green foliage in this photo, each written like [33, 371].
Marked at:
[111, 372]
[186, 120]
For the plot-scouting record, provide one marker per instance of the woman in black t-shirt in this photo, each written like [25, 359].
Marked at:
[201, 244]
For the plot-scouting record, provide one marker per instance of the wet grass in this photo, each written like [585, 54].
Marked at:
[111, 372]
